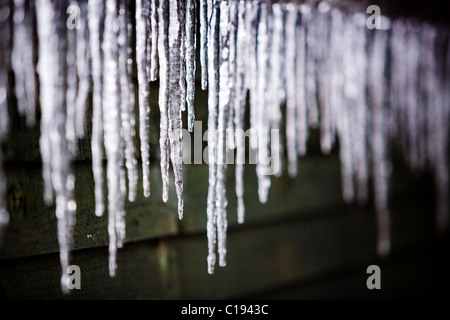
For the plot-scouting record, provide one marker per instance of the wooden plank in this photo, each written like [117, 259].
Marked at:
[419, 272]
[259, 258]
[317, 188]
[262, 258]
[146, 271]
[32, 228]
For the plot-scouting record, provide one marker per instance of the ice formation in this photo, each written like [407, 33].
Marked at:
[5, 36]
[301, 65]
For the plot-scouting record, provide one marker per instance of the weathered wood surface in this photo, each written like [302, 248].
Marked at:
[420, 271]
[260, 259]
[32, 229]
[304, 232]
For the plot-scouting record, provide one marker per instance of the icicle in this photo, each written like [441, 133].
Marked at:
[360, 107]
[146, 19]
[250, 43]
[181, 5]
[334, 92]
[204, 20]
[437, 126]
[176, 100]
[277, 77]
[213, 100]
[72, 87]
[276, 65]
[224, 103]
[142, 36]
[398, 86]
[441, 167]
[5, 53]
[252, 77]
[441, 170]
[441, 142]
[310, 16]
[4, 215]
[95, 10]
[345, 114]
[22, 60]
[300, 91]
[154, 40]
[190, 60]
[412, 108]
[291, 88]
[82, 63]
[111, 120]
[120, 215]
[164, 67]
[239, 108]
[55, 149]
[262, 119]
[4, 117]
[324, 65]
[232, 42]
[378, 139]
[421, 107]
[127, 100]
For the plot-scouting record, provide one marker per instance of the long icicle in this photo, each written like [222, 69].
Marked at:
[232, 43]
[142, 15]
[224, 103]
[378, 141]
[4, 117]
[262, 119]
[55, 153]
[204, 20]
[239, 109]
[154, 40]
[213, 101]
[164, 67]
[111, 120]
[191, 44]
[277, 77]
[176, 100]
[22, 60]
[127, 99]
[95, 10]
[291, 87]
[300, 70]
[82, 64]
